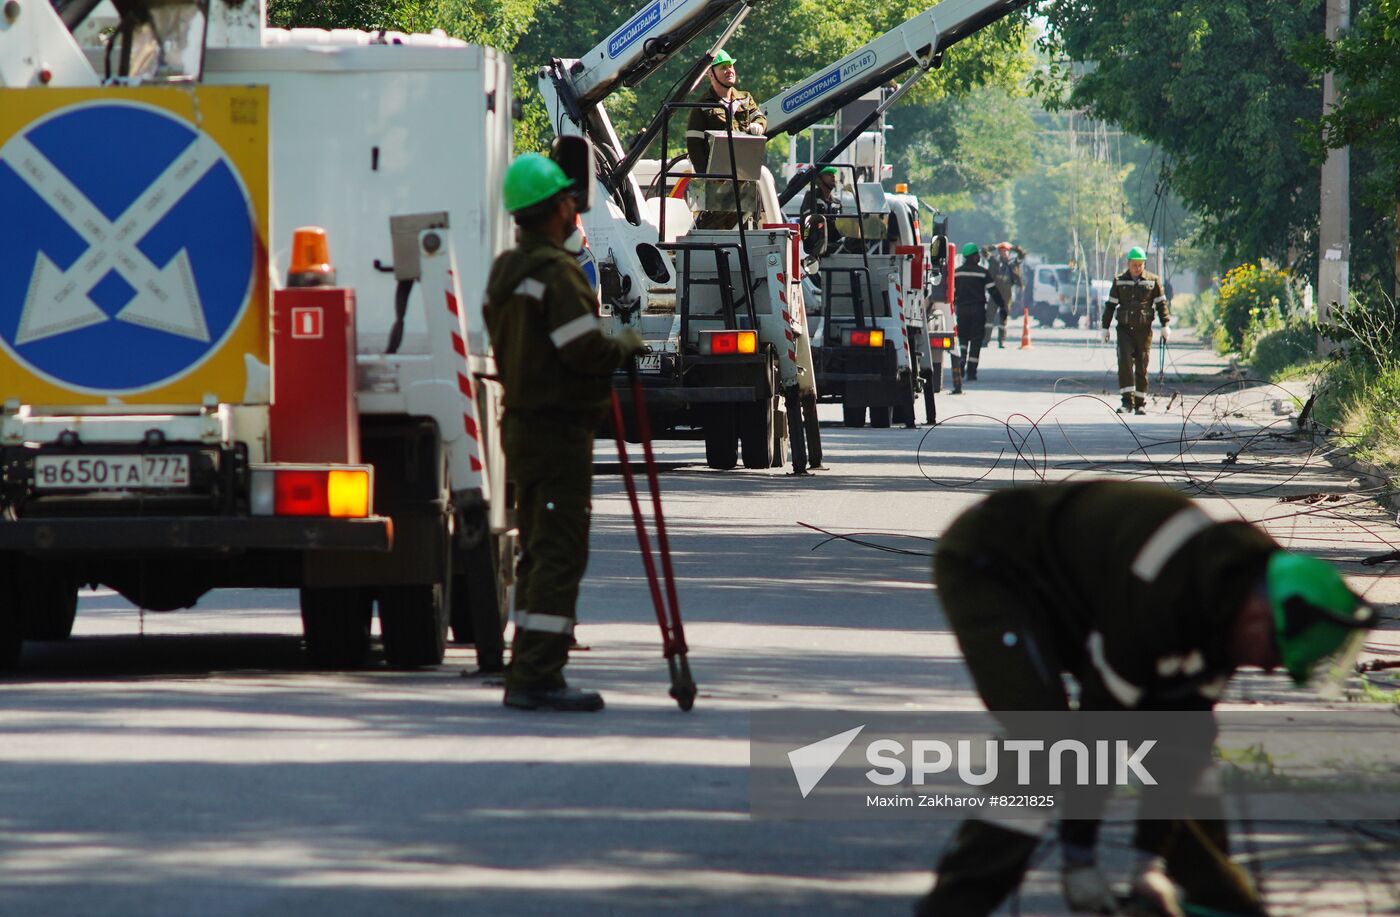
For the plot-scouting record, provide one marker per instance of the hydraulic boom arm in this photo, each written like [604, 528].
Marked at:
[919, 42]
[645, 42]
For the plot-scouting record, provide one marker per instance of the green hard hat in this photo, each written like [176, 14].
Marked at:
[970, 248]
[1136, 254]
[1315, 614]
[533, 179]
[830, 170]
[721, 59]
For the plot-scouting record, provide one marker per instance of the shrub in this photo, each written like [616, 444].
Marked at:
[1249, 294]
[1278, 349]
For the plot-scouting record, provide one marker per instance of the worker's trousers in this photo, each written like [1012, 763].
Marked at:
[551, 466]
[1008, 640]
[971, 328]
[1134, 351]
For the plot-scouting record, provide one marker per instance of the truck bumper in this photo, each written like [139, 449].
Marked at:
[219, 534]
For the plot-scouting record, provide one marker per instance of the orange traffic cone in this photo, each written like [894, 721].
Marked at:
[1025, 328]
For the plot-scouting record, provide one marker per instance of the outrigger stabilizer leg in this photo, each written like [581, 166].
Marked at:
[668, 610]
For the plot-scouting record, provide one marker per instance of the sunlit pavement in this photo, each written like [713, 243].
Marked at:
[198, 769]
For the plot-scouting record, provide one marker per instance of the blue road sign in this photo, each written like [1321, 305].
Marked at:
[127, 245]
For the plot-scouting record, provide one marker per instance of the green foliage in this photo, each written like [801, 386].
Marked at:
[1077, 197]
[1366, 62]
[1196, 311]
[955, 147]
[1215, 86]
[1276, 352]
[1358, 391]
[1253, 299]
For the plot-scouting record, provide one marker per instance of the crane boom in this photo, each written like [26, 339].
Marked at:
[920, 41]
[641, 45]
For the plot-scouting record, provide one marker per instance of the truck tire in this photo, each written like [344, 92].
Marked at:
[335, 623]
[47, 604]
[756, 425]
[11, 642]
[477, 601]
[903, 412]
[722, 437]
[413, 623]
[852, 415]
[880, 416]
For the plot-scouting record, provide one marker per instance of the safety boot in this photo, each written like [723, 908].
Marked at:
[564, 700]
[1140, 411]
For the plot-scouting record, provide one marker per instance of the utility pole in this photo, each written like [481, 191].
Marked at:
[1334, 238]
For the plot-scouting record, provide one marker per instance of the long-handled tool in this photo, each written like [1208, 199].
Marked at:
[668, 611]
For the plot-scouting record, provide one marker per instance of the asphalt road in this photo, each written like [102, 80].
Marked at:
[187, 764]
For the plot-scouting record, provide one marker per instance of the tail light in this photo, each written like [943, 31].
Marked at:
[341, 491]
[942, 341]
[716, 343]
[864, 337]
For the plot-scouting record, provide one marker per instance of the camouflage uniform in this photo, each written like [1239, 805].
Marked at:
[1134, 301]
[556, 365]
[1142, 622]
[1007, 274]
[697, 144]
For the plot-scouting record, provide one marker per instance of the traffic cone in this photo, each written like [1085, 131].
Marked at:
[1025, 328]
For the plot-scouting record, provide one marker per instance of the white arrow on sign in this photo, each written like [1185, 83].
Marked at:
[166, 299]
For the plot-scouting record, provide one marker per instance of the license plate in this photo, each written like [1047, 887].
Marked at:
[111, 472]
[649, 362]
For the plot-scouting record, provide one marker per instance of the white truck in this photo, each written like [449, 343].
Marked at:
[730, 361]
[178, 413]
[876, 321]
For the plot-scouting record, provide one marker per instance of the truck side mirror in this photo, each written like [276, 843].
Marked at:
[938, 249]
[576, 157]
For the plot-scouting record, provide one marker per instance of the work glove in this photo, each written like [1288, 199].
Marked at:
[1166, 333]
[1105, 335]
[1086, 891]
[756, 129]
[631, 341]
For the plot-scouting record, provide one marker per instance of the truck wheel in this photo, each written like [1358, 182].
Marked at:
[10, 640]
[722, 437]
[335, 623]
[47, 605]
[904, 413]
[413, 623]
[756, 434]
[880, 416]
[477, 600]
[852, 415]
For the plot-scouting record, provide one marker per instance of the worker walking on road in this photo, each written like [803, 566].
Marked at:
[728, 100]
[1135, 294]
[1005, 268]
[972, 286]
[556, 366]
[1158, 617]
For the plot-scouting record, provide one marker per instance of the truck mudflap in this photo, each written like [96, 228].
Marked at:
[155, 534]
